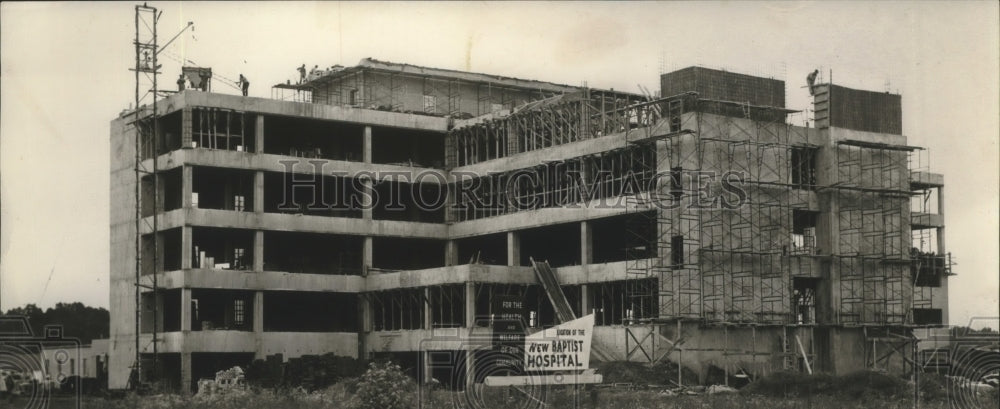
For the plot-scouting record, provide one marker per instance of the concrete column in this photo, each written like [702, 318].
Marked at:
[368, 185]
[450, 253]
[258, 192]
[470, 304]
[366, 313]
[187, 248]
[450, 203]
[258, 312]
[428, 374]
[186, 373]
[586, 243]
[584, 300]
[258, 250]
[367, 198]
[366, 256]
[470, 368]
[513, 248]
[258, 324]
[366, 149]
[187, 186]
[259, 134]
[186, 309]
[940, 200]
[364, 324]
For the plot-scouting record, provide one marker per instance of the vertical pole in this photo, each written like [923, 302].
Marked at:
[470, 322]
[138, 204]
[680, 357]
[154, 132]
[428, 325]
[725, 353]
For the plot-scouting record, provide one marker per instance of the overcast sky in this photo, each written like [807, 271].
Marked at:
[65, 75]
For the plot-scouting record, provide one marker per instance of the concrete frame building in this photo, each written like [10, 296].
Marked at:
[381, 210]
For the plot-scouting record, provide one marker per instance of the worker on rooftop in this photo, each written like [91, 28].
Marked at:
[180, 83]
[302, 73]
[811, 81]
[244, 84]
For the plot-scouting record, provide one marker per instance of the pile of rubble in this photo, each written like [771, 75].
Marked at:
[232, 379]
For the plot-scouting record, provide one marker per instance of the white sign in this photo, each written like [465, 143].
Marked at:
[560, 348]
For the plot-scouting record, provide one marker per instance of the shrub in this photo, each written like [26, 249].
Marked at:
[310, 372]
[384, 386]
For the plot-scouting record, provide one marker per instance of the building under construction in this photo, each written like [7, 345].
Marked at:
[378, 210]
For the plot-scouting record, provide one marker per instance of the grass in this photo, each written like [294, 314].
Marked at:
[862, 390]
[645, 399]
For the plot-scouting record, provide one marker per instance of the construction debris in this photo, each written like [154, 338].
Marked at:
[225, 381]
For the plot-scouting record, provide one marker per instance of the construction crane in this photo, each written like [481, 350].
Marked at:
[144, 121]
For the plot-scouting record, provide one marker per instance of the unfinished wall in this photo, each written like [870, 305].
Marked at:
[723, 85]
[862, 110]
[122, 252]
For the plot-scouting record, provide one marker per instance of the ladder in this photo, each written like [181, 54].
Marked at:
[564, 312]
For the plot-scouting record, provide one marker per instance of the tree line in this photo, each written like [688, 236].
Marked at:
[78, 320]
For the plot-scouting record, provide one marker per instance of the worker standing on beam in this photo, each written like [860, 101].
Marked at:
[244, 84]
[302, 73]
[811, 81]
[180, 83]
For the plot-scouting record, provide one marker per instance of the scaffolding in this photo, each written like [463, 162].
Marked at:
[873, 195]
[147, 144]
[552, 121]
[698, 250]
